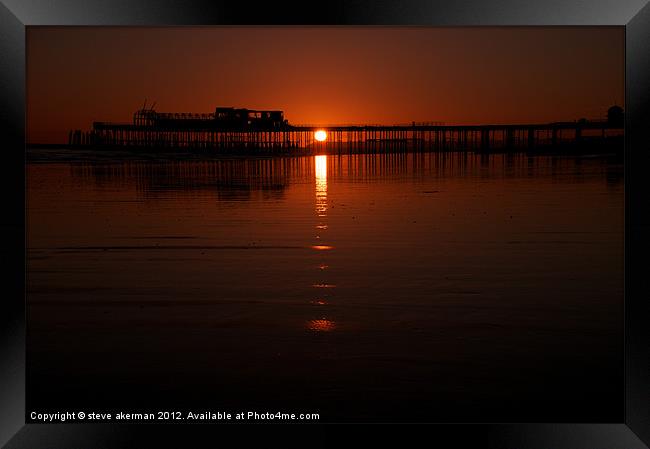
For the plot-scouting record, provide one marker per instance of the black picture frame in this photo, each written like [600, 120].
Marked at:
[15, 15]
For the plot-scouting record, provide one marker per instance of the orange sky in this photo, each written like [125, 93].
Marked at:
[322, 75]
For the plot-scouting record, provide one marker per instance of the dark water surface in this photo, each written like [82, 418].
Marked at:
[405, 287]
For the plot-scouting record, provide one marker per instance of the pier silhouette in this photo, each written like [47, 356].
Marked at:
[268, 132]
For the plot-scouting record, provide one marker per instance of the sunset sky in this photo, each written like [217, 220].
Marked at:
[322, 75]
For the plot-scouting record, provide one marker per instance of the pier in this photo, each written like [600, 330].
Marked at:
[231, 130]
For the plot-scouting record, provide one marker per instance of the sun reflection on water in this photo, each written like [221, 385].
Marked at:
[322, 325]
[322, 247]
[321, 186]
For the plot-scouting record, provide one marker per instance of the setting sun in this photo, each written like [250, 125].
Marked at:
[320, 135]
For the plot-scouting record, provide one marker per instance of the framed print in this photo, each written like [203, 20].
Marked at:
[421, 213]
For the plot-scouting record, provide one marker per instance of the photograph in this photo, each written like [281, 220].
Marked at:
[375, 224]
